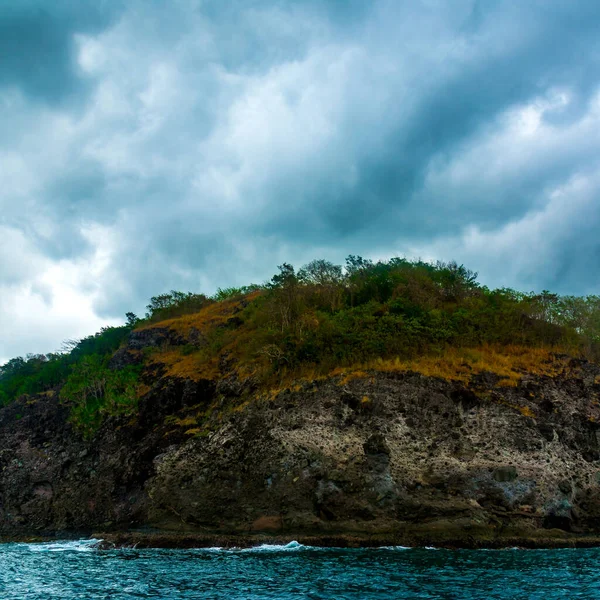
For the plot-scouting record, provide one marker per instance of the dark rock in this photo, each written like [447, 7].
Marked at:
[565, 486]
[234, 387]
[153, 337]
[351, 400]
[197, 338]
[485, 379]
[559, 516]
[546, 430]
[124, 358]
[466, 398]
[376, 444]
[503, 474]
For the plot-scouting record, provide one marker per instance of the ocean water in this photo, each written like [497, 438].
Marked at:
[76, 570]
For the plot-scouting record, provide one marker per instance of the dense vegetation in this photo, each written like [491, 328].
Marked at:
[321, 316]
[42, 372]
[327, 316]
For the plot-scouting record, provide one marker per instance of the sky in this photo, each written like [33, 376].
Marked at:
[150, 145]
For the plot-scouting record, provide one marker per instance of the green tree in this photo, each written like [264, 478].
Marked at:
[327, 281]
[284, 288]
[94, 391]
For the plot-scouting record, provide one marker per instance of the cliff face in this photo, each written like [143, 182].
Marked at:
[384, 453]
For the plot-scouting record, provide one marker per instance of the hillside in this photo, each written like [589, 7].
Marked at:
[398, 399]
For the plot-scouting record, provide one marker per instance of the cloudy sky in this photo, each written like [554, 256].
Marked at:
[149, 145]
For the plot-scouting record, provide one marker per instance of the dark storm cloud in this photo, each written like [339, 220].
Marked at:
[36, 44]
[560, 49]
[199, 143]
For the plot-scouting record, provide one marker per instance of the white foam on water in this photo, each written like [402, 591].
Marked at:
[296, 546]
[292, 546]
[87, 545]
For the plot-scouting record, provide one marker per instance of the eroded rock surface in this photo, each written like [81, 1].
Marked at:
[374, 455]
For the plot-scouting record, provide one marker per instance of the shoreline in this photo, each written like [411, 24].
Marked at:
[549, 539]
[341, 541]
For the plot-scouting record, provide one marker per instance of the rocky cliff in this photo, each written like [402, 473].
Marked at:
[394, 456]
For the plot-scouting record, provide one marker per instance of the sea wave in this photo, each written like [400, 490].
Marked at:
[293, 547]
[85, 545]
[290, 547]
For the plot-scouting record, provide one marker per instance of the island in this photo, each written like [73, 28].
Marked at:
[397, 402]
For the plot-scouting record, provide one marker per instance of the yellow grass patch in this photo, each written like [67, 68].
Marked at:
[348, 376]
[213, 314]
[193, 431]
[187, 421]
[509, 363]
[526, 411]
[142, 389]
[192, 366]
[460, 364]
[240, 407]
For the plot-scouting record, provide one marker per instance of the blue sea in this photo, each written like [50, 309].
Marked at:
[77, 570]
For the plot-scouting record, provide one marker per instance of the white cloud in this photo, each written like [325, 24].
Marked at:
[48, 301]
